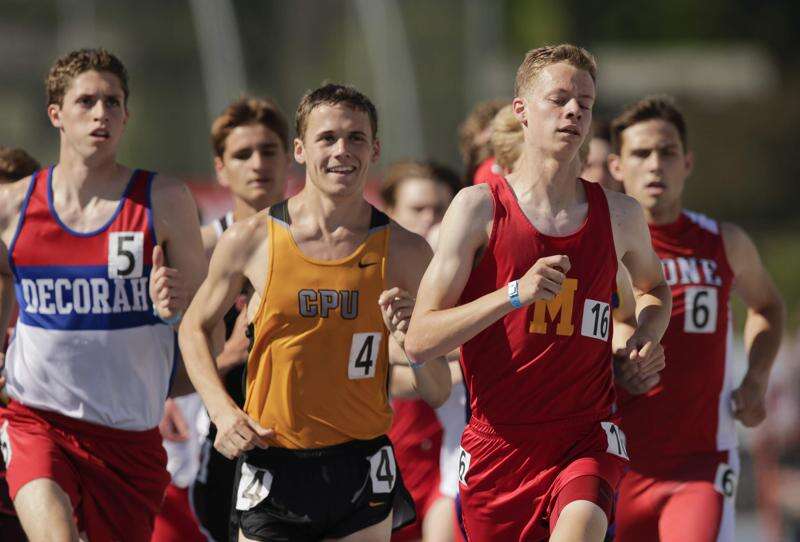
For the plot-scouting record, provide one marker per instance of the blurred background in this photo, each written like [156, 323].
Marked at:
[732, 65]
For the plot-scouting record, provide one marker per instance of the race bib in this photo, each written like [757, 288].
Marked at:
[463, 464]
[616, 440]
[383, 470]
[726, 480]
[5, 443]
[254, 486]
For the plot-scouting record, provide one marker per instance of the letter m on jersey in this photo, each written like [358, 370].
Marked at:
[560, 307]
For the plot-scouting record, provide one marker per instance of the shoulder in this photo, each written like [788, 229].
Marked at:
[739, 246]
[246, 233]
[622, 206]
[11, 197]
[406, 246]
[165, 187]
[476, 200]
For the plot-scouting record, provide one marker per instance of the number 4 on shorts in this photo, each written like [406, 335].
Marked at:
[383, 470]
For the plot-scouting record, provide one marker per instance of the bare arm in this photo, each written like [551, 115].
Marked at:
[178, 262]
[438, 325]
[11, 197]
[409, 257]
[763, 327]
[226, 276]
[650, 291]
[627, 373]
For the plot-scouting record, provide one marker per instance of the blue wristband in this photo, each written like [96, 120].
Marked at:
[169, 321]
[513, 294]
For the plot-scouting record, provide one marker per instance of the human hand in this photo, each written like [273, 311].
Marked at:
[396, 307]
[544, 279]
[167, 289]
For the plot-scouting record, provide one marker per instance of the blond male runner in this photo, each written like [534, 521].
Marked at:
[523, 278]
[682, 434]
[92, 357]
[328, 270]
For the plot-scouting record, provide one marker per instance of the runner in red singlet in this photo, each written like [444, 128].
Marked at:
[523, 278]
[681, 433]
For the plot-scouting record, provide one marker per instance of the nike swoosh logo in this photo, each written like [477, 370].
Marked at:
[362, 265]
[374, 504]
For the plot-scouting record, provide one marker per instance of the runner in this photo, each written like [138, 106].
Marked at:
[523, 277]
[328, 271]
[683, 475]
[92, 357]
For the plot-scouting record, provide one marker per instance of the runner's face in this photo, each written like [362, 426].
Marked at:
[652, 164]
[420, 204]
[253, 165]
[337, 149]
[92, 115]
[556, 112]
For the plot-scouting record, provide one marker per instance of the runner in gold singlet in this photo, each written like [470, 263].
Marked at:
[334, 281]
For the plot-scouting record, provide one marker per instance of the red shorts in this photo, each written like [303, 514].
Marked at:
[420, 467]
[511, 478]
[687, 498]
[115, 479]
[176, 521]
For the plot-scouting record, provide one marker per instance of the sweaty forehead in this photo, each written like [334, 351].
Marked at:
[337, 117]
[651, 133]
[564, 76]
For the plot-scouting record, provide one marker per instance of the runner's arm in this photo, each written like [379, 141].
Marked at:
[408, 258]
[651, 292]
[438, 325]
[177, 228]
[214, 298]
[763, 327]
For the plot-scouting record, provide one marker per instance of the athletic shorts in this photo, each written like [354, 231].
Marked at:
[514, 481]
[176, 521]
[212, 490]
[420, 467]
[115, 479]
[686, 498]
[299, 495]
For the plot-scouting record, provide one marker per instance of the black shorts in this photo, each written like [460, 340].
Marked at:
[305, 495]
[211, 493]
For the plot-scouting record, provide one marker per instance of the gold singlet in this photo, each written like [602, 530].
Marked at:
[318, 370]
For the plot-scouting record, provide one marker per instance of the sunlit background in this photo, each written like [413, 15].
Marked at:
[734, 67]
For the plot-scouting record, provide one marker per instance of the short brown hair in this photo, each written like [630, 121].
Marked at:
[16, 164]
[244, 111]
[537, 59]
[334, 94]
[71, 65]
[478, 120]
[651, 107]
[506, 138]
[410, 169]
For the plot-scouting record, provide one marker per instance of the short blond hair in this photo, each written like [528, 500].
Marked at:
[507, 138]
[541, 57]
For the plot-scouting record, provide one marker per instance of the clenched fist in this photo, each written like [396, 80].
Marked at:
[544, 279]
